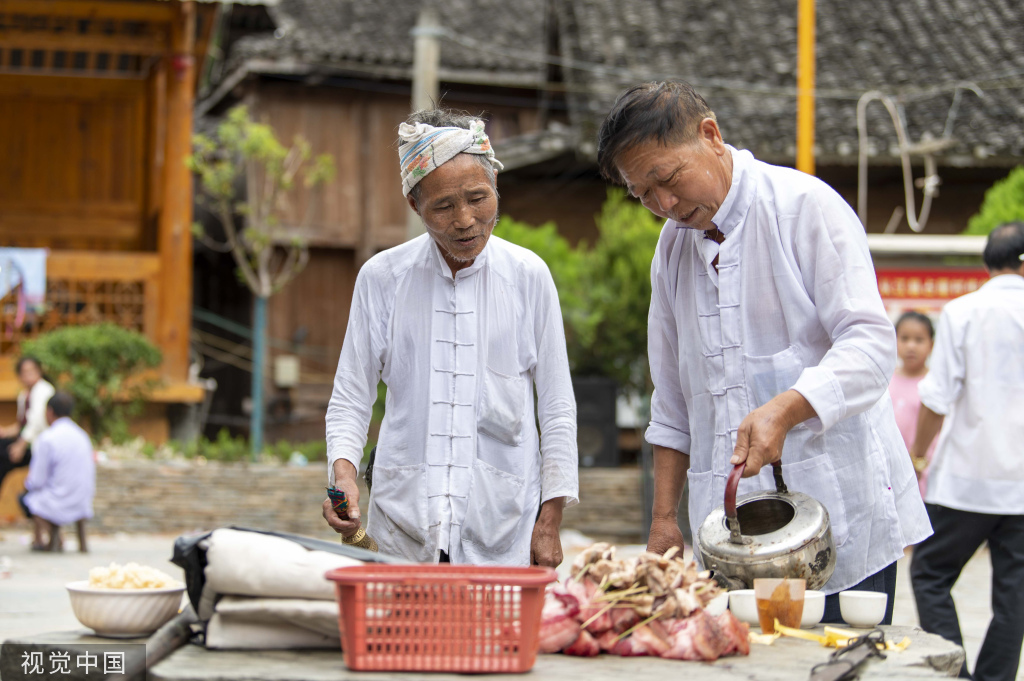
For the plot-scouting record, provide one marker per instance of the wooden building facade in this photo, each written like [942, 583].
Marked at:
[96, 111]
[545, 73]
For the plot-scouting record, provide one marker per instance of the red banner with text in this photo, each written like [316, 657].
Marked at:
[926, 290]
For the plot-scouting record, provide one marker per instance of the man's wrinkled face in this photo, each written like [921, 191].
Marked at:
[459, 207]
[686, 182]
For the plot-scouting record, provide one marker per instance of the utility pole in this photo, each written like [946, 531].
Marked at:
[805, 87]
[425, 84]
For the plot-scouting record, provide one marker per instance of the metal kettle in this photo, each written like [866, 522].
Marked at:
[788, 534]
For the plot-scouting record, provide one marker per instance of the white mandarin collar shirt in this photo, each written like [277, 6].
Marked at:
[977, 381]
[794, 304]
[32, 407]
[460, 466]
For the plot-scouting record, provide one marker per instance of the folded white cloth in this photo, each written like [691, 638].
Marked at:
[423, 148]
[252, 564]
[241, 622]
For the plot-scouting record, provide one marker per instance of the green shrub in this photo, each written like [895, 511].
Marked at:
[225, 448]
[604, 291]
[315, 450]
[1004, 202]
[100, 366]
[613, 327]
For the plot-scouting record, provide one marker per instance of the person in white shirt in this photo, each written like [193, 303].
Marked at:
[768, 340]
[462, 327]
[974, 394]
[16, 439]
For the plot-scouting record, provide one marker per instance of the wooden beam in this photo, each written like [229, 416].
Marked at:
[174, 239]
[23, 85]
[164, 12]
[102, 265]
[157, 141]
[83, 42]
[209, 14]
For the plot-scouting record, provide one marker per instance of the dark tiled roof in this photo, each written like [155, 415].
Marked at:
[376, 33]
[741, 55]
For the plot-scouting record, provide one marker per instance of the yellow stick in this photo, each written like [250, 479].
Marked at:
[600, 612]
[805, 87]
[629, 631]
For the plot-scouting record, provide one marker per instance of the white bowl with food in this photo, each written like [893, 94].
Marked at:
[814, 609]
[862, 609]
[125, 601]
[744, 606]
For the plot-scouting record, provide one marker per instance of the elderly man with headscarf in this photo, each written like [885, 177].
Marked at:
[462, 327]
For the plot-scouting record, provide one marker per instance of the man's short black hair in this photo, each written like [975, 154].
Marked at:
[61, 404]
[27, 358]
[669, 112]
[1004, 247]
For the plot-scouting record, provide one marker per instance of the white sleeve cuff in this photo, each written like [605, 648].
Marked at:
[821, 388]
[354, 458]
[571, 496]
[666, 436]
[930, 396]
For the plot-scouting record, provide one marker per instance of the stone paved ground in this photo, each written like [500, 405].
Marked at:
[33, 599]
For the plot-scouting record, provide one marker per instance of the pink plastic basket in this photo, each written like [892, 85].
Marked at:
[451, 618]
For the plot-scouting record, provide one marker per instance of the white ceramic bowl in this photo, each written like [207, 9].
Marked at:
[814, 609]
[744, 606]
[717, 605]
[863, 609]
[124, 613]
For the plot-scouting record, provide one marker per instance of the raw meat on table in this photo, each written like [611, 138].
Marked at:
[649, 605]
[558, 626]
[585, 646]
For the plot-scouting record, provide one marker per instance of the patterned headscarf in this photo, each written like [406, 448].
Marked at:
[423, 148]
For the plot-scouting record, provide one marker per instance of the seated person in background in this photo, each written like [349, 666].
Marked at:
[62, 476]
[16, 439]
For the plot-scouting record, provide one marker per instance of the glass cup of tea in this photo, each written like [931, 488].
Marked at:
[779, 599]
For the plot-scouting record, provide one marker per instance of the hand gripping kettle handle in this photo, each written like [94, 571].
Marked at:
[731, 486]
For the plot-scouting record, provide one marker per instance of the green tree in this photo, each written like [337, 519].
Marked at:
[1004, 202]
[245, 172]
[101, 366]
[613, 333]
[604, 291]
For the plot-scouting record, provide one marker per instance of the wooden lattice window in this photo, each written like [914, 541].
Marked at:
[32, 41]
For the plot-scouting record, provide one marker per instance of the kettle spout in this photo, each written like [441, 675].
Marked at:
[728, 583]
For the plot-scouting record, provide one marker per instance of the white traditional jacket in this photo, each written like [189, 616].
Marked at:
[459, 466]
[794, 304]
[35, 414]
[977, 381]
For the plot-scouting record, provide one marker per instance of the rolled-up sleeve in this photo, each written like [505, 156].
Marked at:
[359, 369]
[670, 423]
[556, 404]
[941, 388]
[835, 264]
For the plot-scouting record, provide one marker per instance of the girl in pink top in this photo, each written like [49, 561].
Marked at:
[914, 338]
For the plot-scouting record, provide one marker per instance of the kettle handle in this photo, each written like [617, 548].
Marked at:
[732, 485]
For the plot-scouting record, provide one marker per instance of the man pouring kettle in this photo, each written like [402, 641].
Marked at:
[767, 338]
